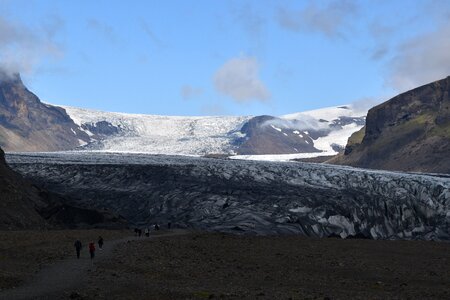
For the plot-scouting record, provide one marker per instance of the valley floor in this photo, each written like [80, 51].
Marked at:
[24, 253]
[221, 266]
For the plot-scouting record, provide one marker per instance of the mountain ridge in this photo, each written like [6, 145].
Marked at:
[410, 132]
[27, 124]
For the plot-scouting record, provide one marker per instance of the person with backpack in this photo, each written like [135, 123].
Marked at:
[100, 243]
[92, 250]
[78, 247]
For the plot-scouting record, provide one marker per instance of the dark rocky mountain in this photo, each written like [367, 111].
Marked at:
[262, 137]
[27, 124]
[249, 197]
[273, 135]
[27, 206]
[410, 132]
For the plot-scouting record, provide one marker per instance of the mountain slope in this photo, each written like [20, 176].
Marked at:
[410, 132]
[27, 124]
[262, 136]
[27, 206]
[18, 200]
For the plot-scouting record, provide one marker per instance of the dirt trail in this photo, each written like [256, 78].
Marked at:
[54, 279]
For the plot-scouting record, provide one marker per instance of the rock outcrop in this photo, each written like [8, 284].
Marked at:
[27, 124]
[410, 132]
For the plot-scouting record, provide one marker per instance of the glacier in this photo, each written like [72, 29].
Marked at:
[181, 135]
[248, 197]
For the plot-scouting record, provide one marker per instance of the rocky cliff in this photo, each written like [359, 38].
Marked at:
[27, 206]
[27, 124]
[410, 132]
[250, 197]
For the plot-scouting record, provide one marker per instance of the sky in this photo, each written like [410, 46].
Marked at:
[223, 57]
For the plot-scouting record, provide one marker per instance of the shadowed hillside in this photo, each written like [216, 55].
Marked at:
[24, 205]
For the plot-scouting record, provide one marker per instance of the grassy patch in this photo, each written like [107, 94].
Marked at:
[357, 137]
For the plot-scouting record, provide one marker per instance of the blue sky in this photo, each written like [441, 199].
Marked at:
[223, 57]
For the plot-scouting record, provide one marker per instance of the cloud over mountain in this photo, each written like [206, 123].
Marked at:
[421, 60]
[23, 47]
[239, 79]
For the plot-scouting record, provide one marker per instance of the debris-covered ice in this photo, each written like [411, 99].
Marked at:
[249, 196]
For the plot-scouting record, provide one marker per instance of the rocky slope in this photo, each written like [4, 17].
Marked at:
[250, 197]
[27, 206]
[261, 136]
[410, 132]
[27, 124]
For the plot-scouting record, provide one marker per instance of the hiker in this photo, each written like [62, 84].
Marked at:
[78, 247]
[147, 232]
[92, 250]
[156, 226]
[100, 243]
[169, 225]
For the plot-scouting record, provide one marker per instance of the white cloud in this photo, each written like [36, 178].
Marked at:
[364, 104]
[421, 60]
[22, 48]
[302, 122]
[239, 79]
[329, 20]
[251, 21]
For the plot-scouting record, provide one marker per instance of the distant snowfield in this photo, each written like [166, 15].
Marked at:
[155, 134]
[196, 136]
[282, 157]
[328, 113]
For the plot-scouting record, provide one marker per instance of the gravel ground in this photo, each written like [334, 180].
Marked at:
[221, 266]
[24, 253]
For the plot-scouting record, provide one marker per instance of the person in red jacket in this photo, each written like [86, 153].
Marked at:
[92, 250]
